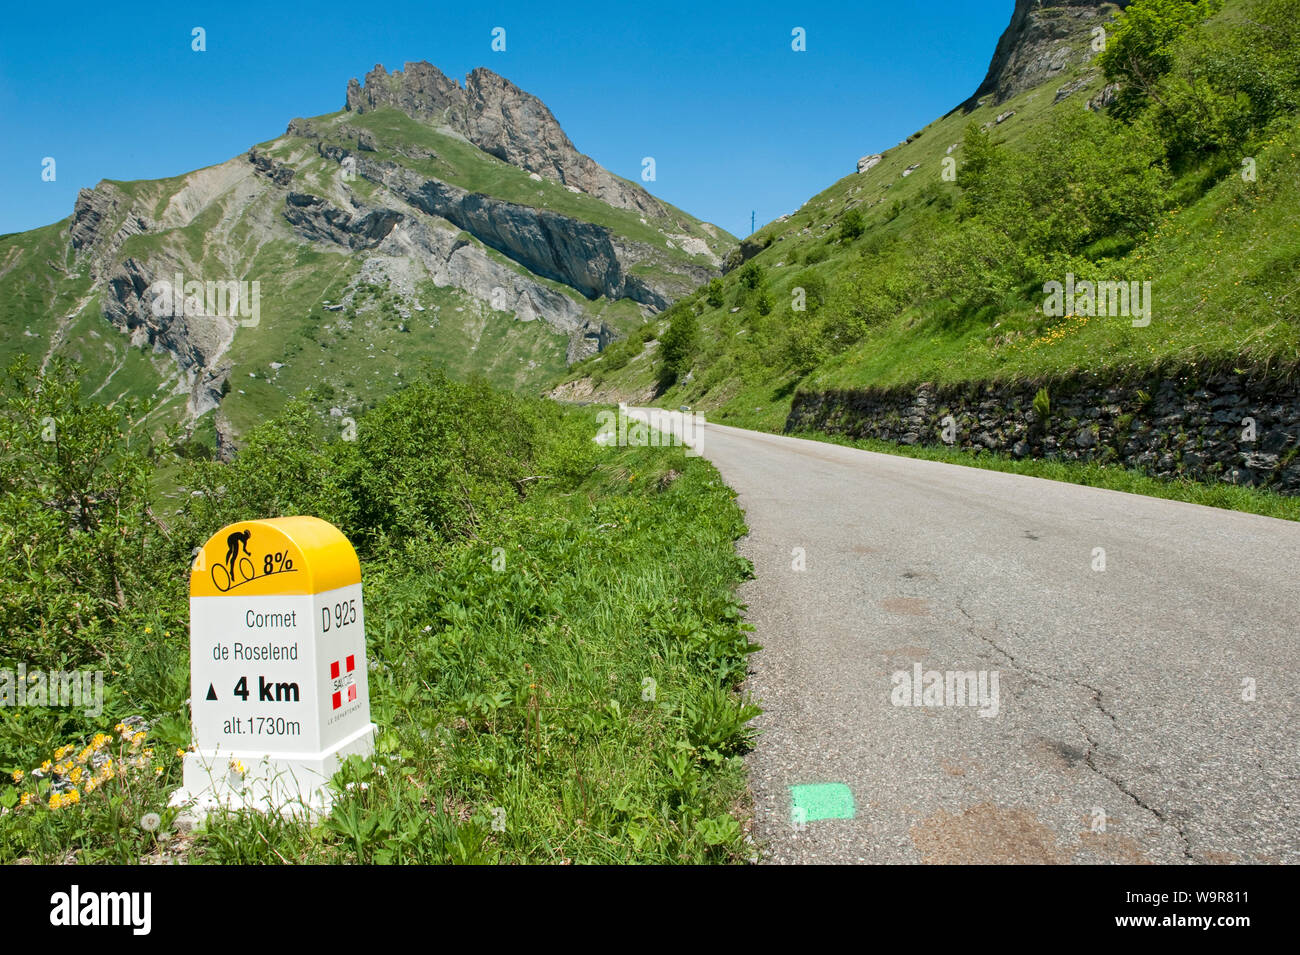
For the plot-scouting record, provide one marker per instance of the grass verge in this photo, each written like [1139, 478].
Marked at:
[1227, 496]
[555, 683]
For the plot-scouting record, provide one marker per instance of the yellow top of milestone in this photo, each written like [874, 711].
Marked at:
[280, 555]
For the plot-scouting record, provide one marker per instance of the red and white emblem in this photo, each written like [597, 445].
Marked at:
[344, 680]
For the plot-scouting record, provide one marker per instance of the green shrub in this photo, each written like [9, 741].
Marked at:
[1042, 405]
[814, 287]
[852, 225]
[1140, 49]
[751, 275]
[818, 253]
[714, 292]
[78, 540]
[617, 572]
[678, 345]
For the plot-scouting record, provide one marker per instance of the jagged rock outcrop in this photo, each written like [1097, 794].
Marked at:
[579, 254]
[747, 249]
[279, 173]
[593, 337]
[102, 219]
[1104, 97]
[582, 255]
[452, 259]
[500, 119]
[92, 211]
[301, 128]
[196, 341]
[320, 221]
[421, 91]
[867, 163]
[1045, 40]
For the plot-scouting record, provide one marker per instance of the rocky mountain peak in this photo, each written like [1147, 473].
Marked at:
[502, 120]
[1044, 40]
[420, 90]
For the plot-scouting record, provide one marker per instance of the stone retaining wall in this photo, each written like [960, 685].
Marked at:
[1222, 427]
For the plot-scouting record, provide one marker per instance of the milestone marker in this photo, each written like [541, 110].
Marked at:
[278, 690]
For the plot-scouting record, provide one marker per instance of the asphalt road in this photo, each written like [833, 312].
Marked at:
[1147, 712]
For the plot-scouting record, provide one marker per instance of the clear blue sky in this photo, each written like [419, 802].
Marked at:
[735, 119]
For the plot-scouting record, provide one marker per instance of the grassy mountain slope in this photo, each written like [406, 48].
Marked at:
[360, 283]
[920, 276]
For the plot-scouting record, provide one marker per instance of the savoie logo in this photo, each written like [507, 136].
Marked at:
[75, 907]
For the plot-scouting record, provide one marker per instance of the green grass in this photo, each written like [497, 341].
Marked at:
[584, 685]
[1225, 275]
[1111, 477]
[734, 370]
[35, 295]
[363, 353]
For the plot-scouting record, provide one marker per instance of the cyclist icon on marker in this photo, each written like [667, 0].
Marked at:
[233, 543]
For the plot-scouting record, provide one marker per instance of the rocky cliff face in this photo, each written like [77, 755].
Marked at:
[500, 119]
[196, 342]
[102, 219]
[444, 254]
[582, 255]
[317, 219]
[1045, 40]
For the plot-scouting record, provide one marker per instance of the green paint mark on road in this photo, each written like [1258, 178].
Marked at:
[813, 801]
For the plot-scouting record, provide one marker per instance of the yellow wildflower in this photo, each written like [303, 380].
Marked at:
[25, 799]
[18, 775]
[75, 775]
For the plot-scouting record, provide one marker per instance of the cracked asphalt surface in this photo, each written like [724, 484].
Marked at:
[1122, 733]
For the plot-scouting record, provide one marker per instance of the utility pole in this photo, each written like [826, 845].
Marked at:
[751, 222]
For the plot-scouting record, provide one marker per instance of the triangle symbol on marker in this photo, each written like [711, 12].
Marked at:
[212, 693]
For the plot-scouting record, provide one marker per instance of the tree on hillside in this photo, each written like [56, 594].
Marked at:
[979, 160]
[1141, 48]
[677, 345]
[77, 535]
